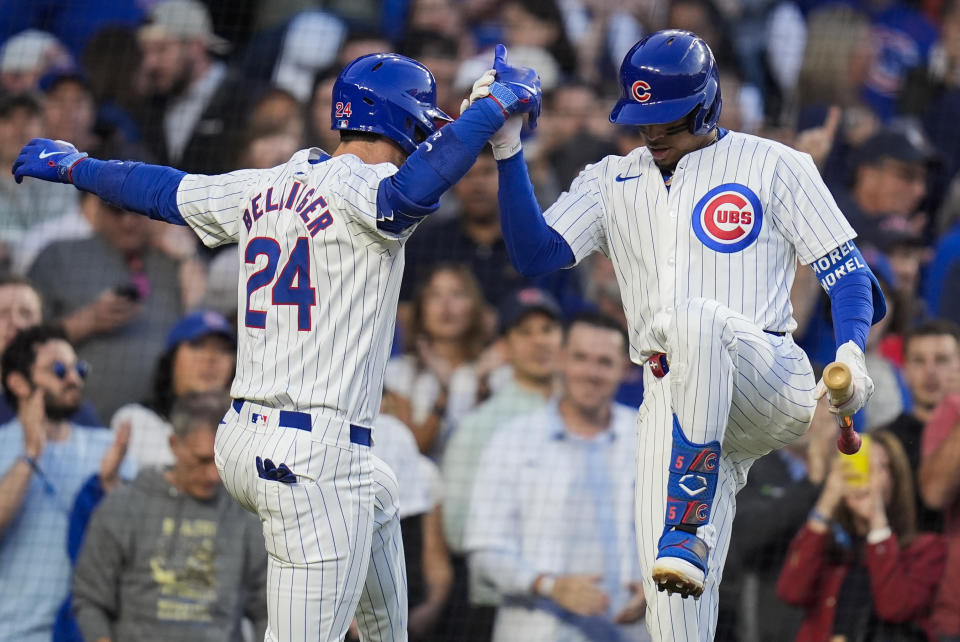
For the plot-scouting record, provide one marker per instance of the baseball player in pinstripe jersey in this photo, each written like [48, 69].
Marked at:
[321, 247]
[705, 228]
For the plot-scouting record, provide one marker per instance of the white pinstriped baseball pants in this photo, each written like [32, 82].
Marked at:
[730, 381]
[333, 538]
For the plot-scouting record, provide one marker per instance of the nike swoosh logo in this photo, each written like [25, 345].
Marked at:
[46, 154]
[527, 87]
[621, 177]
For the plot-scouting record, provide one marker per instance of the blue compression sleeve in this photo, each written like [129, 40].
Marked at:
[414, 191]
[855, 294]
[534, 247]
[852, 304]
[138, 187]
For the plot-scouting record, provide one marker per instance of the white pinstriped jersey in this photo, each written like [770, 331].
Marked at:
[738, 215]
[319, 282]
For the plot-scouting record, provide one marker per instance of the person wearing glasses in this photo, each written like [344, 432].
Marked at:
[21, 306]
[45, 461]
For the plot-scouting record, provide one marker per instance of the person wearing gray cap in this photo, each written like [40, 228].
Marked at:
[196, 107]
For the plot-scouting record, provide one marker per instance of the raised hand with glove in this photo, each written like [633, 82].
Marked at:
[517, 91]
[48, 160]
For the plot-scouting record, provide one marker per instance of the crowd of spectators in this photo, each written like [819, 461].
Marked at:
[506, 412]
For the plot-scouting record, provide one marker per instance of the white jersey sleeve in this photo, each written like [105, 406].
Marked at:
[578, 215]
[355, 193]
[803, 208]
[213, 205]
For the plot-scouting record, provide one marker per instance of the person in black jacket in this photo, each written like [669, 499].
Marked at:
[194, 107]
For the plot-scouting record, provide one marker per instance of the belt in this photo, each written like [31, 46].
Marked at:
[303, 421]
[660, 366]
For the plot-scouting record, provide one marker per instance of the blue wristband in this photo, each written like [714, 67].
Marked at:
[504, 97]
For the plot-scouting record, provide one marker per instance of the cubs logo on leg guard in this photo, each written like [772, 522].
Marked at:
[681, 564]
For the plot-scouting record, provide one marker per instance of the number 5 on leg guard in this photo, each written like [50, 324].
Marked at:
[681, 565]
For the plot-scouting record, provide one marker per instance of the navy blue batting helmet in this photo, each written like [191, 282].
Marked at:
[664, 77]
[387, 94]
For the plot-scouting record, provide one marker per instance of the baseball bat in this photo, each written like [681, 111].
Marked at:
[839, 382]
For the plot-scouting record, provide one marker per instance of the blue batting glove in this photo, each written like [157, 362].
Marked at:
[48, 160]
[517, 89]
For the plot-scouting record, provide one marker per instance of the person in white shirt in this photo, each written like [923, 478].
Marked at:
[551, 517]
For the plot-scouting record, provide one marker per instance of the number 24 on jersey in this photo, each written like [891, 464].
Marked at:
[291, 287]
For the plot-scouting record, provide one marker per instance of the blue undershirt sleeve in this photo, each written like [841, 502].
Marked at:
[534, 247]
[146, 189]
[855, 296]
[439, 162]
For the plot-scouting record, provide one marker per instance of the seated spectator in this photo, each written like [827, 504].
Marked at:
[20, 308]
[532, 331]
[46, 460]
[116, 295]
[200, 357]
[551, 517]
[440, 378]
[940, 488]
[858, 566]
[171, 556]
[429, 573]
[931, 359]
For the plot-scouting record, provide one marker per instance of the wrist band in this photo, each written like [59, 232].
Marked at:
[817, 516]
[504, 97]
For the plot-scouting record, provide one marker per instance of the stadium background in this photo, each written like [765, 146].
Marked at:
[870, 88]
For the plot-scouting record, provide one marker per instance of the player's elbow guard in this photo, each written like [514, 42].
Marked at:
[395, 212]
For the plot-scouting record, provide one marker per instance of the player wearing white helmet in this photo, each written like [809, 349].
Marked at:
[705, 228]
[321, 242]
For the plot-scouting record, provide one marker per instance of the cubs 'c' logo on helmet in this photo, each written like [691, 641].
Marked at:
[728, 218]
[641, 91]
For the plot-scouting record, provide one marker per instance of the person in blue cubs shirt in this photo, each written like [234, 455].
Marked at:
[45, 460]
